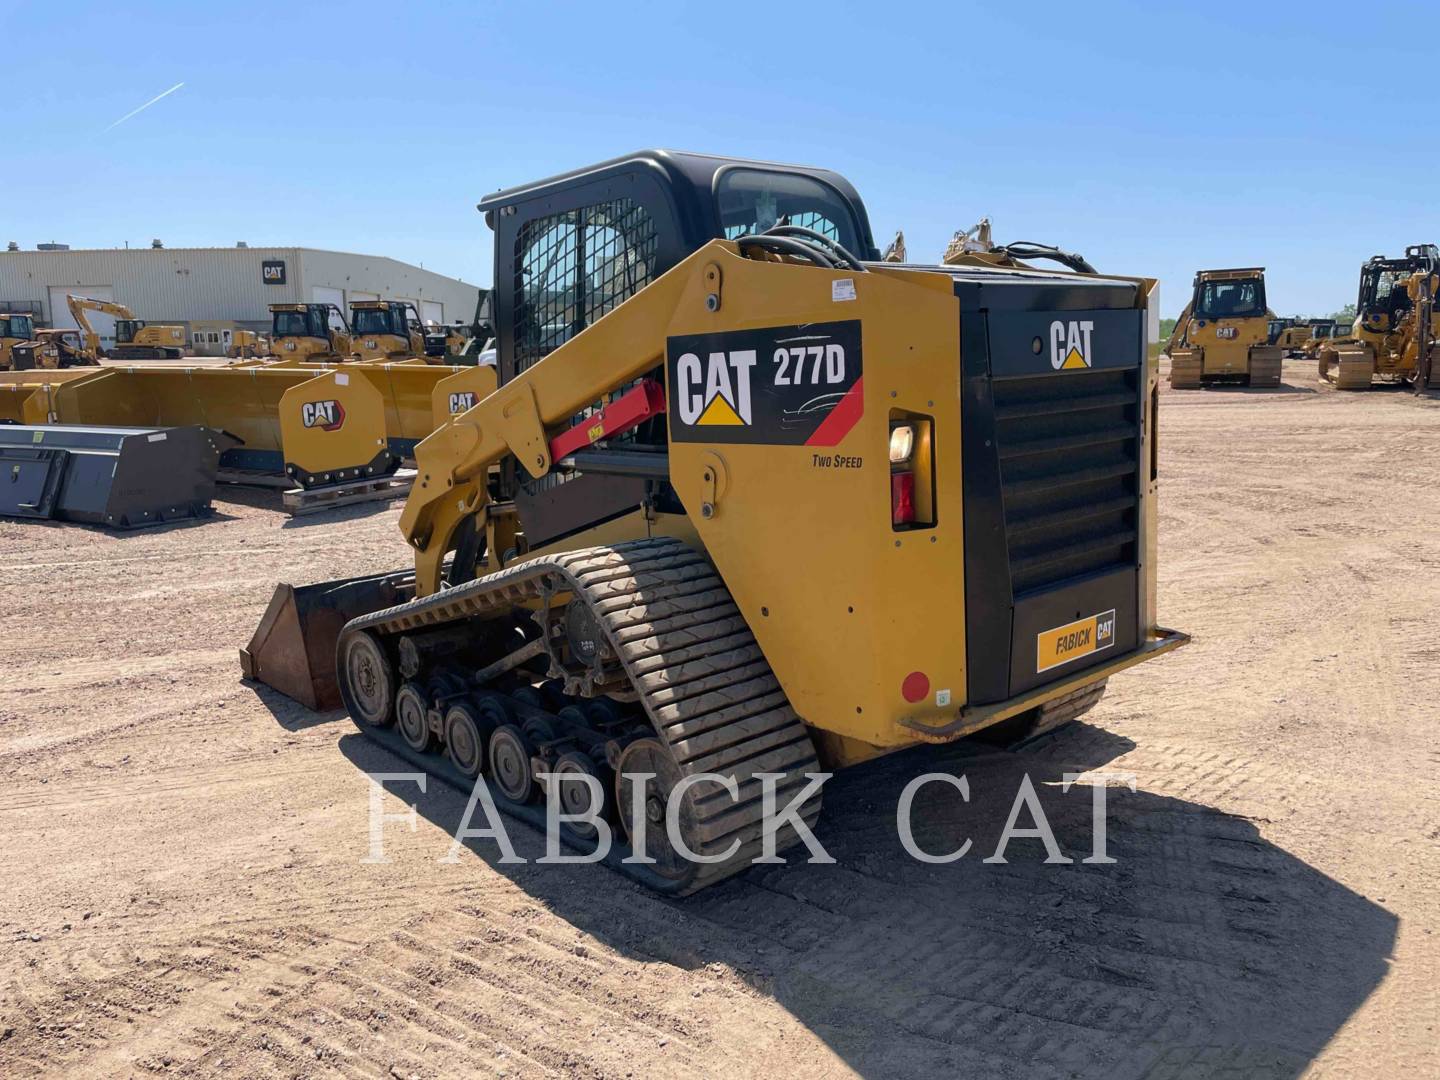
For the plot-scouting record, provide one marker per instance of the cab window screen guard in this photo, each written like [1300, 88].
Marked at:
[573, 267]
[1230, 299]
[753, 200]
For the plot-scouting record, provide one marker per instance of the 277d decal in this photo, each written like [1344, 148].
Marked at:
[781, 385]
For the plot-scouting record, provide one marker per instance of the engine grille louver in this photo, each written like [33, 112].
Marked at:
[1068, 449]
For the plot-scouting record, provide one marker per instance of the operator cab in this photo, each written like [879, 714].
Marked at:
[1238, 297]
[126, 329]
[1383, 299]
[572, 248]
[380, 317]
[303, 320]
[20, 327]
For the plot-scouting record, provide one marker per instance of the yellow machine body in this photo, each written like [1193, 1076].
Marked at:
[751, 506]
[1396, 326]
[15, 329]
[886, 599]
[304, 333]
[384, 330]
[1223, 334]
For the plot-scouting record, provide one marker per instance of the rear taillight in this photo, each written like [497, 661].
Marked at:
[902, 498]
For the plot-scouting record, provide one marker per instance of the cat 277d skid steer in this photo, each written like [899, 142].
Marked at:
[748, 502]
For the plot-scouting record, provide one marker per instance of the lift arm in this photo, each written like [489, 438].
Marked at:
[452, 463]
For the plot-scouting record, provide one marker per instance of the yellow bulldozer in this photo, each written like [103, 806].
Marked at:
[309, 332]
[1396, 324]
[135, 339]
[15, 329]
[1223, 335]
[748, 503]
[385, 330]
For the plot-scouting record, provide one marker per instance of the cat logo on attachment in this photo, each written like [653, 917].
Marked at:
[1070, 344]
[326, 415]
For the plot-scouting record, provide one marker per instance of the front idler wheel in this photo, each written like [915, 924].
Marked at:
[369, 680]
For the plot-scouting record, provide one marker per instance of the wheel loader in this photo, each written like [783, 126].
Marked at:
[384, 330]
[1396, 324]
[1224, 332]
[748, 503]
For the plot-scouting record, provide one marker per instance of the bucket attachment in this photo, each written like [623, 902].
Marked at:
[119, 477]
[293, 649]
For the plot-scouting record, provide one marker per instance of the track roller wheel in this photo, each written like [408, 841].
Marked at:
[652, 756]
[465, 730]
[538, 730]
[368, 681]
[575, 794]
[510, 753]
[411, 719]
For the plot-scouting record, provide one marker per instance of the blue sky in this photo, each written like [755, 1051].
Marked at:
[1153, 138]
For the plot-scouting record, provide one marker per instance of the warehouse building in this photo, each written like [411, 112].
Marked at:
[212, 290]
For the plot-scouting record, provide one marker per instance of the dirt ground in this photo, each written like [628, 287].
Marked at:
[182, 891]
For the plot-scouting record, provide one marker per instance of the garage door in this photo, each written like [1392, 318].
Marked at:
[323, 294]
[104, 325]
[432, 311]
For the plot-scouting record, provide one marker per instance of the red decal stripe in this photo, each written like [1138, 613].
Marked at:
[842, 418]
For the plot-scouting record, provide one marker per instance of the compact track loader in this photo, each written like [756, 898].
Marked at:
[1223, 334]
[747, 501]
[1396, 324]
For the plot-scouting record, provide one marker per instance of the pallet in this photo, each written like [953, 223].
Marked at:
[300, 501]
[253, 478]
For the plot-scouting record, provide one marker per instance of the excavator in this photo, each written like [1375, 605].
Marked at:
[1223, 334]
[1396, 324]
[385, 330]
[747, 503]
[307, 332]
[15, 329]
[135, 339]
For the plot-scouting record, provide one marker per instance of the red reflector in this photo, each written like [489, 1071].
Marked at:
[902, 498]
[916, 687]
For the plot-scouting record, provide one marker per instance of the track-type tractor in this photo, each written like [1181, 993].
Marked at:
[1224, 332]
[748, 503]
[386, 330]
[306, 333]
[1396, 324]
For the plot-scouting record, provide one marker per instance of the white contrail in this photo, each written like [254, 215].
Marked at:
[147, 104]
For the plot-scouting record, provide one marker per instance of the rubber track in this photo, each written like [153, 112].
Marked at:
[702, 679]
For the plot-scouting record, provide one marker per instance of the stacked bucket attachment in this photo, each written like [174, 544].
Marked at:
[120, 477]
[315, 426]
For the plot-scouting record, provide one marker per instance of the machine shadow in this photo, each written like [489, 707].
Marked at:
[1202, 949]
